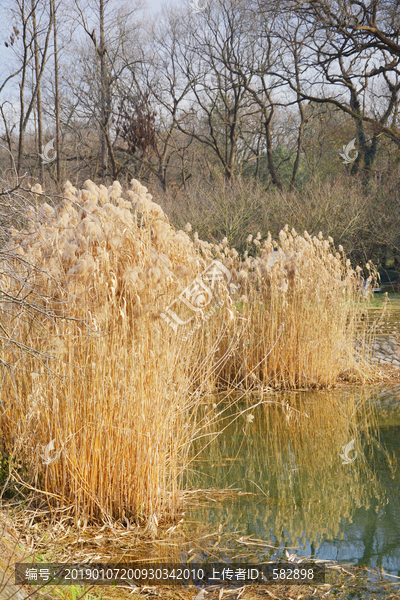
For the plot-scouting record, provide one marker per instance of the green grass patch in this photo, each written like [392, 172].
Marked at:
[378, 300]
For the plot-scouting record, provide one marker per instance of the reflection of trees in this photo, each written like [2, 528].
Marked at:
[379, 538]
[289, 456]
[369, 537]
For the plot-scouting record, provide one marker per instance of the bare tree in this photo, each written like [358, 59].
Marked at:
[39, 96]
[353, 63]
[115, 30]
[28, 51]
[53, 9]
[217, 88]
[168, 82]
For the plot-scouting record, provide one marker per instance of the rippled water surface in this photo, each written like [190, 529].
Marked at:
[302, 496]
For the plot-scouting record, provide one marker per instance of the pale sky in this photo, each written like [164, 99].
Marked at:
[154, 5]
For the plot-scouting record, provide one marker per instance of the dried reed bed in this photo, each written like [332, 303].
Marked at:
[299, 315]
[100, 394]
[104, 388]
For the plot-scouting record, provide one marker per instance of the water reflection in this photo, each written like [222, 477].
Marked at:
[286, 453]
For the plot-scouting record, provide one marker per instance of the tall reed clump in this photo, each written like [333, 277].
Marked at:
[299, 317]
[95, 398]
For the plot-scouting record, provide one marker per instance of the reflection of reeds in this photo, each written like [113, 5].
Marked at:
[289, 456]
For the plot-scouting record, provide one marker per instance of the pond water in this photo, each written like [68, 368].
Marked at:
[318, 474]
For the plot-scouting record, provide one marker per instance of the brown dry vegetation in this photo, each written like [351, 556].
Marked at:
[100, 394]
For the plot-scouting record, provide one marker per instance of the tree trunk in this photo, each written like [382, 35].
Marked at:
[57, 96]
[103, 84]
[21, 94]
[39, 95]
[270, 158]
